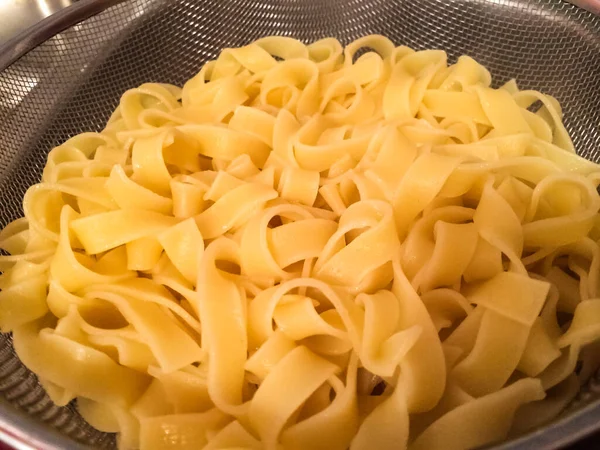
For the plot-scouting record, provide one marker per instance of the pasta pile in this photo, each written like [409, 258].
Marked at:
[312, 247]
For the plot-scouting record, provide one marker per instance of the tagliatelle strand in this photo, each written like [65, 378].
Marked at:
[312, 247]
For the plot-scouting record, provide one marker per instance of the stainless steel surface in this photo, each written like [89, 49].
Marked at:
[72, 81]
[18, 15]
[590, 5]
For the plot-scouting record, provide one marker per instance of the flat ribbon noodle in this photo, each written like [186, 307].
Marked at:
[312, 246]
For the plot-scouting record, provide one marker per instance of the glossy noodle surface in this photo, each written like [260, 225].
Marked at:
[312, 247]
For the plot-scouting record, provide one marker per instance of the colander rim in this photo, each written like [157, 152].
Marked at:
[30, 38]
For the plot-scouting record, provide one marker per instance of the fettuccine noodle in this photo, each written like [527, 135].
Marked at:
[312, 247]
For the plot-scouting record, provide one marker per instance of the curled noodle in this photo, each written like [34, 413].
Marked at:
[312, 247]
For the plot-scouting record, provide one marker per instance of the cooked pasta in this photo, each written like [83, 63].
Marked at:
[312, 247]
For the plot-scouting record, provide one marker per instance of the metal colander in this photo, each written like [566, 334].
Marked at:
[66, 76]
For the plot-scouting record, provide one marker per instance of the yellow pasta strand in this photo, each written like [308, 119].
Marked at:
[311, 246]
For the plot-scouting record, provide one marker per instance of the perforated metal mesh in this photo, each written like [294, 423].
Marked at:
[73, 81]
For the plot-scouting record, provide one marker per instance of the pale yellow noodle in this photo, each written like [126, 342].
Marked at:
[303, 248]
